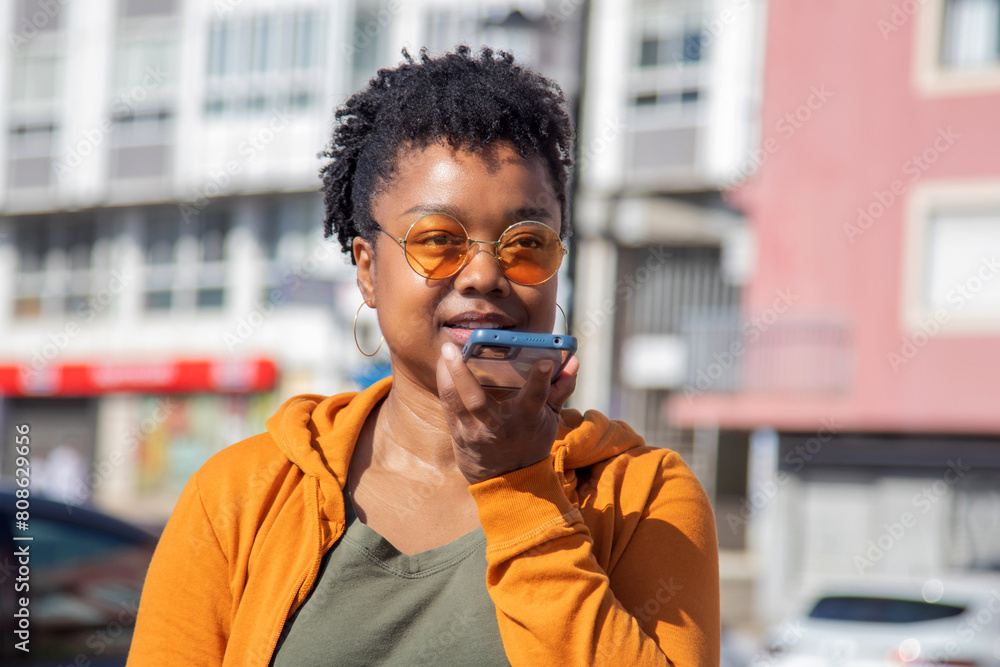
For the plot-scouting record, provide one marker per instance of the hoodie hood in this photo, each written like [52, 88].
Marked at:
[318, 433]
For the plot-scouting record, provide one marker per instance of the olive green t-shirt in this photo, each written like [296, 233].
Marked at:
[373, 605]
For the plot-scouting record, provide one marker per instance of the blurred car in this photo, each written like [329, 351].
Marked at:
[951, 620]
[86, 574]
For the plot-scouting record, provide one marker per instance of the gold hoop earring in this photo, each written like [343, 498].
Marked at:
[565, 320]
[358, 312]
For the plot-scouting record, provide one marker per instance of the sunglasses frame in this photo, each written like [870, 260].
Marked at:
[470, 242]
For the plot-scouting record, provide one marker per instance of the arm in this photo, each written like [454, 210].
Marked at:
[555, 603]
[185, 609]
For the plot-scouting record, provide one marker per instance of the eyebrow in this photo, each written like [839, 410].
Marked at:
[517, 214]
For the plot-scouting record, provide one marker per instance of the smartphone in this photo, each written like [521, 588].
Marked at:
[503, 359]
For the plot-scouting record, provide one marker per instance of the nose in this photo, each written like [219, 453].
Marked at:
[481, 272]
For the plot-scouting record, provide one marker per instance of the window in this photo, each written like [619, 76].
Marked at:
[31, 151]
[142, 8]
[62, 262]
[36, 78]
[668, 55]
[957, 47]
[143, 107]
[951, 280]
[864, 609]
[971, 37]
[670, 37]
[962, 248]
[186, 263]
[264, 62]
[39, 14]
[291, 233]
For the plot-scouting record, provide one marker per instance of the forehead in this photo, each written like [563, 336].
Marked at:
[492, 183]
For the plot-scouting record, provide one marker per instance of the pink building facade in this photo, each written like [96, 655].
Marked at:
[866, 368]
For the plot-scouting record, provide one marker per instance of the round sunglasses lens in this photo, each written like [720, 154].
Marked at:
[436, 246]
[530, 253]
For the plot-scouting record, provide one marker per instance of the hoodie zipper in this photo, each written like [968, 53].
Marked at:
[313, 571]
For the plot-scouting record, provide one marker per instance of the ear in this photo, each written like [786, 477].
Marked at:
[364, 256]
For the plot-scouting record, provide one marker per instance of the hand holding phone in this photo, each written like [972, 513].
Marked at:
[503, 359]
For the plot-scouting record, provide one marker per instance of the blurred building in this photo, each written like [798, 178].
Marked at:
[863, 363]
[669, 120]
[164, 280]
[164, 283]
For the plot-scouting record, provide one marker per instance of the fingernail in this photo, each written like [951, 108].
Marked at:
[449, 352]
[546, 366]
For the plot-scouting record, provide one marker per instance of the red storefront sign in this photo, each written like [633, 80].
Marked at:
[168, 377]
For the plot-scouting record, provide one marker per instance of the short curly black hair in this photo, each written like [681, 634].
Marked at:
[458, 98]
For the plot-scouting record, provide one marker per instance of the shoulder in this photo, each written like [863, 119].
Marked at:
[241, 478]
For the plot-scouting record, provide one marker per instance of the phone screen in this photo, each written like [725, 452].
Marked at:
[509, 367]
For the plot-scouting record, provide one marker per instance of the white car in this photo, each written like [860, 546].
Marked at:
[946, 621]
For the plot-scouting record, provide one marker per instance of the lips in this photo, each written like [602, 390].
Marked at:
[461, 326]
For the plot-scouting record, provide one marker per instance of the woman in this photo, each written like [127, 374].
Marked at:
[426, 520]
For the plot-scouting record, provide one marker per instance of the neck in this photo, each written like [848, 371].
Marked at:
[411, 434]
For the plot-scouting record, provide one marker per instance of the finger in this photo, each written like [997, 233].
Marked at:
[565, 385]
[470, 399]
[535, 392]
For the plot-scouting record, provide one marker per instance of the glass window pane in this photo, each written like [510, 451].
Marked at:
[35, 79]
[649, 52]
[33, 240]
[971, 33]
[159, 300]
[214, 227]
[961, 247]
[210, 298]
[162, 234]
[80, 243]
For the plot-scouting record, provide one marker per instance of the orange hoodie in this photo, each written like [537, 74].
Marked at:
[604, 553]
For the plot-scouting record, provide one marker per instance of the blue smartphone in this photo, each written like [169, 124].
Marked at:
[503, 359]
